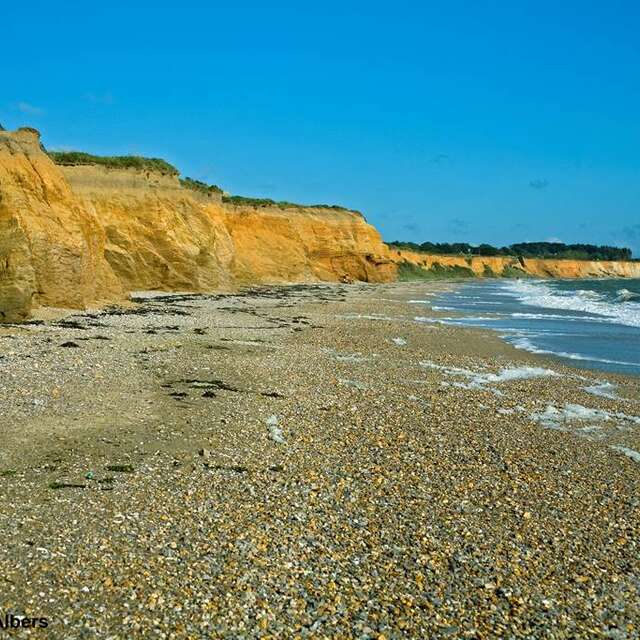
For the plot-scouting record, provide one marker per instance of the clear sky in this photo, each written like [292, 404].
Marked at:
[444, 121]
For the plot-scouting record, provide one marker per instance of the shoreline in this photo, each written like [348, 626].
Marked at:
[310, 460]
[581, 361]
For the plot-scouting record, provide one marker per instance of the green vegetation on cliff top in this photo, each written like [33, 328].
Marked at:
[71, 158]
[241, 201]
[201, 187]
[113, 162]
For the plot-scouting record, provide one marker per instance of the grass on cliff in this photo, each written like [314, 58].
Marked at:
[72, 158]
[243, 201]
[407, 272]
[200, 187]
[510, 271]
[114, 162]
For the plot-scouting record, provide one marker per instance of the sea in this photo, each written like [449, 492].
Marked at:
[593, 324]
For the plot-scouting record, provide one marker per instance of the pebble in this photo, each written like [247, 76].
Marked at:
[383, 517]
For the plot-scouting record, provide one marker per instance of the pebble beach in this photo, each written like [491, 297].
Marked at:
[310, 461]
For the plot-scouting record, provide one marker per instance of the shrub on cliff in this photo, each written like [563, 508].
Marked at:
[114, 162]
[201, 187]
[243, 201]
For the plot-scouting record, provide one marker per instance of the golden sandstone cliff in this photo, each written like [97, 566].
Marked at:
[51, 247]
[73, 236]
[505, 266]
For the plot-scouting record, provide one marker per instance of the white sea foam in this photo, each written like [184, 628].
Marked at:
[624, 295]
[497, 316]
[275, 432]
[455, 321]
[480, 379]
[376, 316]
[539, 294]
[520, 373]
[603, 389]
[553, 417]
[630, 453]
[552, 316]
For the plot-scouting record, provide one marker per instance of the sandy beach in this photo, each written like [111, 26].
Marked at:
[311, 461]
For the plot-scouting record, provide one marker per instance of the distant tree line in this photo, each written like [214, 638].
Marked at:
[521, 249]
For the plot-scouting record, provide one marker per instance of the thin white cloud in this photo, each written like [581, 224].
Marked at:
[539, 184]
[25, 107]
[98, 98]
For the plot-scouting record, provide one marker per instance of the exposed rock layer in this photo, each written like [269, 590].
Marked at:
[77, 235]
[511, 266]
[51, 246]
[71, 236]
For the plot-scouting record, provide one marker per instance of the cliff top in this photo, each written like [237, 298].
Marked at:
[242, 201]
[75, 158]
[114, 162]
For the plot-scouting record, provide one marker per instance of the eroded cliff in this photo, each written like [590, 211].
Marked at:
[51, 247]
[74, 235]
[160, 235]
[504, 266]
[301, 245]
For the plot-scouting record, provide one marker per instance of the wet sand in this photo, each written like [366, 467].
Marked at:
[310, 461]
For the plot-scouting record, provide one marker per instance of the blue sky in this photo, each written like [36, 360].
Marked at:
[444, 121]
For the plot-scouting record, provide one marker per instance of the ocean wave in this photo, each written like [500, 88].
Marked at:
[526, 345]
[554, 316]
[624, 295]
[540, 294]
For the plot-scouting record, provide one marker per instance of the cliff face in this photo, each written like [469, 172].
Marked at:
[301, 245]
[157, 234]
[51, 247]
[160, 235]
[506, 266]
[74, 235]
